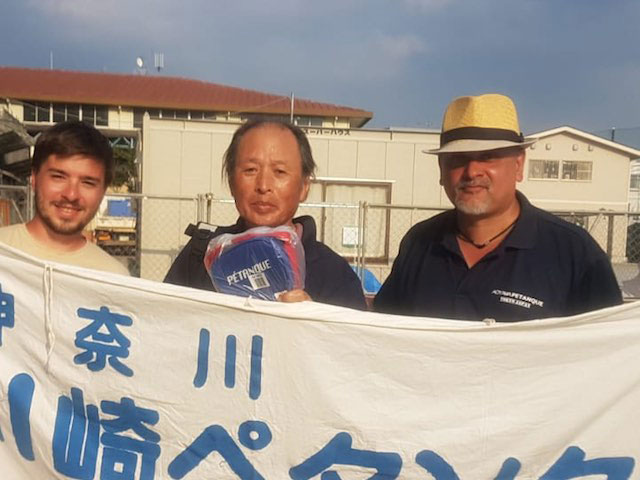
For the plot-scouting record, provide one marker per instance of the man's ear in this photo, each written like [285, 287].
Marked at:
[304, 192]
[520, 166]
[230, 184]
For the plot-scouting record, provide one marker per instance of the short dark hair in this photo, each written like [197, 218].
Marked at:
[74, 138]
[306, 157]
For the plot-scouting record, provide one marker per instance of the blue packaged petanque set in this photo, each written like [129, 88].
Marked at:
[261, 262]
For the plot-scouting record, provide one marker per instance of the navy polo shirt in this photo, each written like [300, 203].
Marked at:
[545, 267]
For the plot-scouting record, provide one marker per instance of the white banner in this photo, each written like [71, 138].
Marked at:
[108, 377]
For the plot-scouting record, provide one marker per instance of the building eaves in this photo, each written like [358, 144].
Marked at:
[151, 91]
[631, 152]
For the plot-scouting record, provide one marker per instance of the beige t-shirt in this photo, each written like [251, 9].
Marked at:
[89, 256]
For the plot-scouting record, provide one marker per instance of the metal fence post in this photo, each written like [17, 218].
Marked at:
[362, 233]
[610, 235]
[199, 207]
[357, 258]
[30, 201]
[209, 199]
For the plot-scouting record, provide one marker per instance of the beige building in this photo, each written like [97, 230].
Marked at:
[568, 169]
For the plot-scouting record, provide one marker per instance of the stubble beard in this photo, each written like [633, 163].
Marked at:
[473, 206]
[60, 227]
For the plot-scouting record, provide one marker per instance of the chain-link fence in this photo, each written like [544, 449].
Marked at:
[146, 232]
[383, 227]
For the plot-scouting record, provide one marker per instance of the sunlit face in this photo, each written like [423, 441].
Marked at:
[68, 192]
[482, 183]
[267, 182]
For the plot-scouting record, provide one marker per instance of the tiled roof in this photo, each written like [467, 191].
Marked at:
[153, 91]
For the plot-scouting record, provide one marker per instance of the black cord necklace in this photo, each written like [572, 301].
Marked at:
[464, 238]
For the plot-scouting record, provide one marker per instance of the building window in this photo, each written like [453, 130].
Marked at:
[65, 111]
[264, 116]
[59, 112]
[102, 115]
[308, 121]
[42, 112]
[89, 114]
[635, 181]
[29, 112]
[539, 169]
[95, 115]
[572, 170]
[202, 115]
[138, 115]
[73, 111]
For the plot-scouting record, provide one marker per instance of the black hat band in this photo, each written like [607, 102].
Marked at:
[479, 133]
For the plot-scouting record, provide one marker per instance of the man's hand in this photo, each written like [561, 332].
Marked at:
[293, 296]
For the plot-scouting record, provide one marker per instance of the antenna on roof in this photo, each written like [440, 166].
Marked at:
[291, 104]
[140, 70]
[159, 61]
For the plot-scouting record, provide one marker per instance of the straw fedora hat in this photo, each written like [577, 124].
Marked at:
[483, 122]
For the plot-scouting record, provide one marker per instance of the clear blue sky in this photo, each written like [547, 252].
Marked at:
[573, 62]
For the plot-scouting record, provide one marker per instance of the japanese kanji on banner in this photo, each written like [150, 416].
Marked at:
[107, 377]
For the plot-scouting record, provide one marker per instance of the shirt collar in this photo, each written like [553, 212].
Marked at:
[308, 236]
[525, 231]
[449, 232]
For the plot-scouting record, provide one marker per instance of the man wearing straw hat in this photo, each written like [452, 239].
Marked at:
[494, 255]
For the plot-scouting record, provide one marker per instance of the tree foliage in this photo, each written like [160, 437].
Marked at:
[125, 171]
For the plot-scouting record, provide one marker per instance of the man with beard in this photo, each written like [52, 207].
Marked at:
[494, 255]
[72, 167]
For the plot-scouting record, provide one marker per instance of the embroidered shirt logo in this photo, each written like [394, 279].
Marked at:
[517, 299]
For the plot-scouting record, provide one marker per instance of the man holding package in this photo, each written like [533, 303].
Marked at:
[269, 167]
[494, 255]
